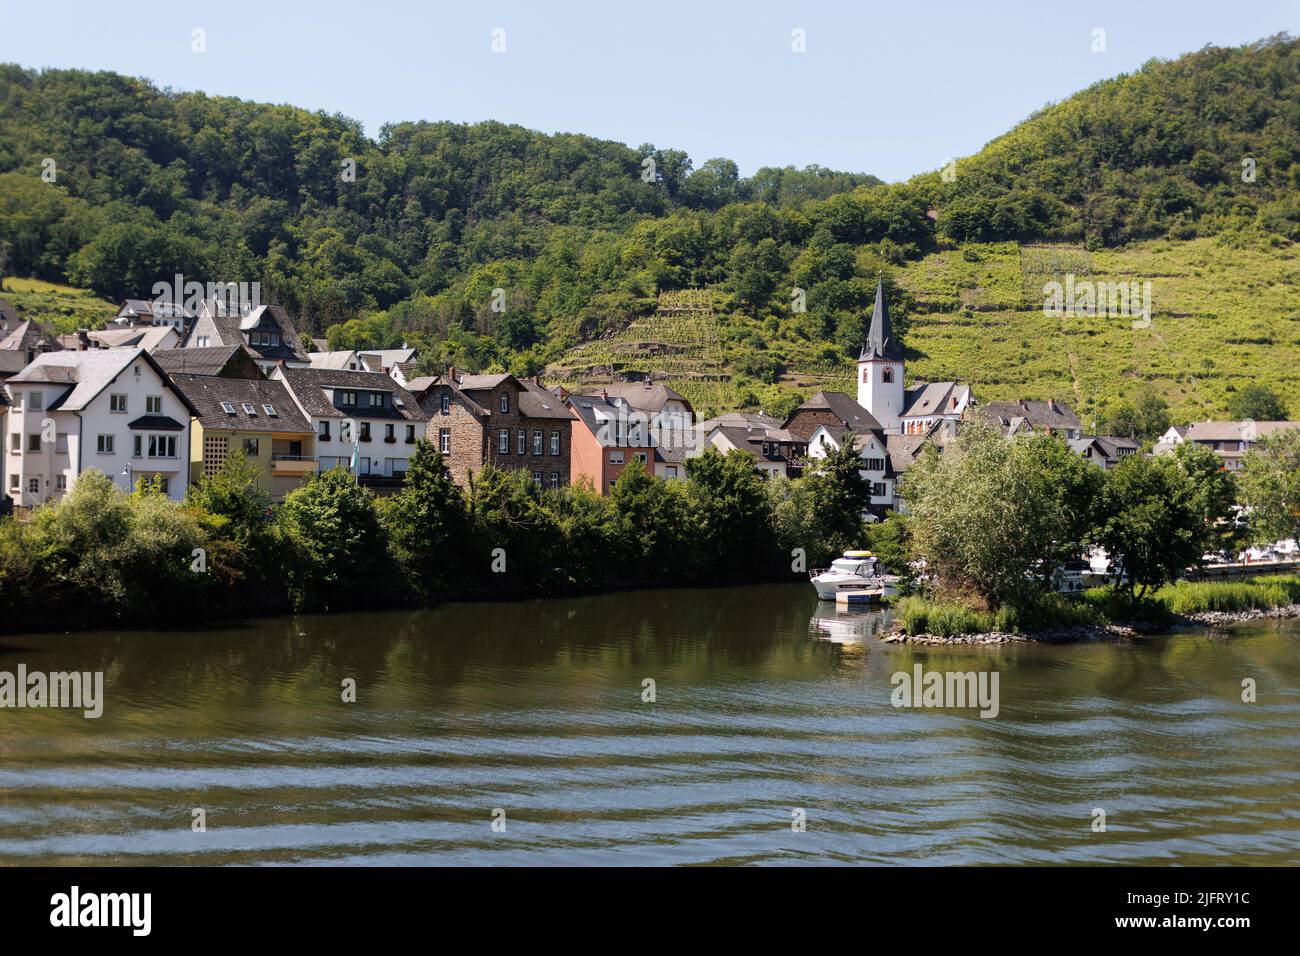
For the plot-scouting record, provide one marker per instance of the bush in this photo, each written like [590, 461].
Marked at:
[1195, 597]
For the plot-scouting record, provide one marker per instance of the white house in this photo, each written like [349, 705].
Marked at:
[1229, 440]
[111, 410]
[874, 453]
[362, 413]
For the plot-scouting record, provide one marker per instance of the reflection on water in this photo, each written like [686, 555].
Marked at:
[761, 706]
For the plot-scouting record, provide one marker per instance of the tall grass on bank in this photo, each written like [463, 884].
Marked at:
[1195, 597]
[950, 618]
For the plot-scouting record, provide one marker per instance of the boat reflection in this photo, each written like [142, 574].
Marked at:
[846, 625]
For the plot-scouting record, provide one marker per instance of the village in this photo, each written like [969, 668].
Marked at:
[165, 393]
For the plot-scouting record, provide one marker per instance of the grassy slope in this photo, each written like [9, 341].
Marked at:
[59, 308]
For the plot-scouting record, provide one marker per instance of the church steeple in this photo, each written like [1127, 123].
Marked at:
[881, 343]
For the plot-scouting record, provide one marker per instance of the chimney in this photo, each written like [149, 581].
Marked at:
[451, 373]
[1051, 403]
[604, 395]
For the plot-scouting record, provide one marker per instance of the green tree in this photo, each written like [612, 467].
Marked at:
[340, 549]
[1270, 486]
[653, 525]
[427, 523]
[840, 496]
[728, 503]
[1258, 403]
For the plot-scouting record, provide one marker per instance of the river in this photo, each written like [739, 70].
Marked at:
[769, 711]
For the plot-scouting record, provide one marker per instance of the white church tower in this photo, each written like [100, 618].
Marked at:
[880, 368]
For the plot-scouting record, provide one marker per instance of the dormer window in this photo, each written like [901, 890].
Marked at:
[249, 410]
[228, 408]
[446, 403]
[270, 411]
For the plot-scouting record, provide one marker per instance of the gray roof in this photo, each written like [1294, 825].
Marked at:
[332, 359]
[89, 373]
[844, 407]
[881, 342]
[28, 335]
[930, 399]
[646, 396]
[308, 385]
[1233, 431]
[481, 383]
[8, 315]
[147, 337]
[231, 329]
[538, 402]
[207, 392]
[1038, 414]
[386, 358]
[742, 419]
[213, 360]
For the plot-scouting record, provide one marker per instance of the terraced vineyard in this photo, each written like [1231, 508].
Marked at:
[677, 344]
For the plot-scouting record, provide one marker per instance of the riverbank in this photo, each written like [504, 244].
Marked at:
[1101, 614]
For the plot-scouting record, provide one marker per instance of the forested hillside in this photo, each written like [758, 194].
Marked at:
[149, 182]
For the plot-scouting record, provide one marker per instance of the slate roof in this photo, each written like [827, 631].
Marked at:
[481, 383]
[646, 396]
[931, 399]
[11, 362]
[843, 406]
[89, 373]
[308, 384]
[538, 402]
[881, 342]
[207, 392]
[332, 359]
[147, 337]
[1038, 414]
[1233, 431]
[231, 329]
[212, 360]
[379, 359]
[8, 317]
[28, 335]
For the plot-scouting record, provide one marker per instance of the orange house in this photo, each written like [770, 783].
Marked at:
[608, 436]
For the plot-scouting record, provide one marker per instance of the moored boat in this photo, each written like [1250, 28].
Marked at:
[855, 571]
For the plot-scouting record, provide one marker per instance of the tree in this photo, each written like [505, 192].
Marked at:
[427, 523]
[727, 501]
[1152, 520]
[339, 545]
[1270, 486]
[652, 524]
[1258, 403]
[840, 495]
[1144, 419]
[985, 516]
[1076, 486]
[1213, 495]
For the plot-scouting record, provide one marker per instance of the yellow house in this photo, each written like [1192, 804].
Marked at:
[255, 416]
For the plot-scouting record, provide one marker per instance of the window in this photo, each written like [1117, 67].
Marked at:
[641, 457]
[505, 403]
[874, 464]
[14, 482]
[866, 373]
[228, 408]
[201, 341]
[670, 471]
[389, 433]
[555, 479]
[537, 443]
[270, 411]
[410, 434]
[162, 446]
[887, 376]
[117, 403]
[537, 477]
[137, 442]
[347, 398]
[446, 403]
[767, 449]
[444, 440]
[251, 446]
[34, 485]
[16, 443]
[164, 484]
[365, 431]
[877, 489]
[522, 442]
[325, 430]
[376, 400]
[104, 444]
[503, 441]
[616, 457]
[37, 401]
[18, 399]
[33, 442]
[153, 404]
[61, 482]
[249, 410]
[555, 443]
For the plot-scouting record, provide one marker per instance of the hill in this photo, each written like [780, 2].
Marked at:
[1188, 169]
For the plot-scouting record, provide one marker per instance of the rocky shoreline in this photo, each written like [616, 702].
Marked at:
[1117, 631]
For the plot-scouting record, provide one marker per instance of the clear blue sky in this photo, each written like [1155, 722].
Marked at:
[890, 88]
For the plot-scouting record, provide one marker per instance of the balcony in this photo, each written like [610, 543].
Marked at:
[293, 465]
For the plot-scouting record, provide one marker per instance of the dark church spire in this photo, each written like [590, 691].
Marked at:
[881, 343]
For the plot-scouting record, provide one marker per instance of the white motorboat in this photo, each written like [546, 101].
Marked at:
[856, 571]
